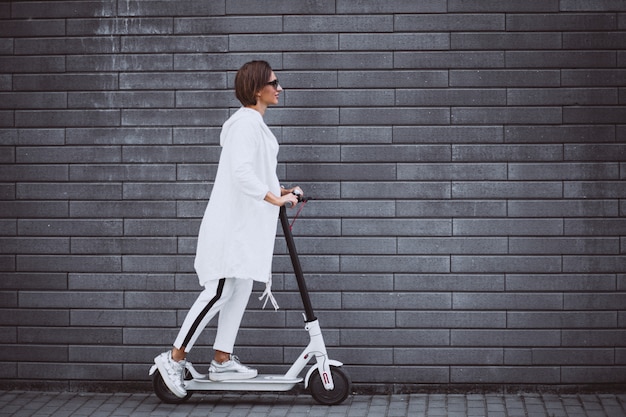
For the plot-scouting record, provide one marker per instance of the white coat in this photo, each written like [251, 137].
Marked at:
[238, 230]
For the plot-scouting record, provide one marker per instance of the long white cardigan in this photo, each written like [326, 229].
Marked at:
[238, 229]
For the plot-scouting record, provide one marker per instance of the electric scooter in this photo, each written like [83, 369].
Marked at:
[326, 380]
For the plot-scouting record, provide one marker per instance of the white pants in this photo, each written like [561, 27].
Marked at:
[229, 297]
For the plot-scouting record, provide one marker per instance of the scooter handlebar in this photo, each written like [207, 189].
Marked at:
[301, 199]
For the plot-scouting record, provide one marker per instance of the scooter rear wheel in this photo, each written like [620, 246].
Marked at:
[338, 394]
[163, 392]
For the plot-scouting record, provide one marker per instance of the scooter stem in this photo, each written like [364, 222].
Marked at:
[309, 316]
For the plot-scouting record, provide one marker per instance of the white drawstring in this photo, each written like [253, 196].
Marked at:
[267, 294]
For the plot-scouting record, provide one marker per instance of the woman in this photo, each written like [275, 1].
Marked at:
[237, 233]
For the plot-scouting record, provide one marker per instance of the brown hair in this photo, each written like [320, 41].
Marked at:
[250, 79]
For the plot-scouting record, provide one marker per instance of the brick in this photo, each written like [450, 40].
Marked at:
[445, 356]
[396, 337]
[61, 227]
[461, 97]
[43, 137]
[170, 154]
[119, 62]
[352, 97]
[561, 320]
[448, 282]
[25, 281]
[44, 9]
[352, 172]
[496, 189]
[394, 41]
[541, 356]
[124, 245]
[594, 263]
[30, 353]
[507, 301]
[449, 22]
[593, 77]
[124, 318]
[32, 64]
[119, 26]
[330, 60]
[564, 245]
[582, 5]
[595, 152]
[448, 59]
[220, 62]
[172, 81]
[33, 100]
[504, 338]
[400, 153]
[505, 41]
[452, 171]
[604, 374]
[66, 118]
[195, 172]
[508, 115]
[166, 191]
[123, 172]
[392, 79]
[33, 28]
[594, 40]
[120, 100]
[559, 59]
[395, 6]
[505, 264]
[165, 227]
[173, 117]
[34, 245]
[593, 338]
[447, 134]
[196, 135]
[192, 99]
[561, 22]
[502, 152]
[368, 23]
[569, 208]
[601, 189]
[27, 172]
[121, 282]
[68, 263]
[69, 46]
[227, 24]
[65, 191]
[33, 209]
[564, 96]
[566, 282]
[383, 190]
[450, 245]
[450, 319]
[504, 78]
[68, 371]
[499, 374]
[344, 282]
[371, 263]
[559, 134]
[400, 301]
[9, 298]
[309, 153]
[395, 115]
[173, 44]
[284, 42]
[564, 171]
[502, 6]
[59, 299]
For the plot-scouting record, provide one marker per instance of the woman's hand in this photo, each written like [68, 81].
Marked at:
[289, 197]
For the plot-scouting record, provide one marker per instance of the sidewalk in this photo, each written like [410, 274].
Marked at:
[65, 404]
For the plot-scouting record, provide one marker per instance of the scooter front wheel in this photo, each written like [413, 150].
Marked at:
[338, 394]
[163, 392]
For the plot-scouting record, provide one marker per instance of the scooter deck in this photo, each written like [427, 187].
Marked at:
[259, 383]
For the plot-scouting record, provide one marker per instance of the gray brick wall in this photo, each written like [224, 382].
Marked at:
[467, 156]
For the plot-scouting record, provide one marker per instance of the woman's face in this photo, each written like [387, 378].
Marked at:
[270, 93]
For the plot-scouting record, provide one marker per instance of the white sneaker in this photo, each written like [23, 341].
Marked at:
[231, 369]
[172, 372]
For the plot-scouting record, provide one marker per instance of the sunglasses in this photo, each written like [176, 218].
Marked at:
[273, 83]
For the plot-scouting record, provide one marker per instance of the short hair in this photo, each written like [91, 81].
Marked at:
[250, 79]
